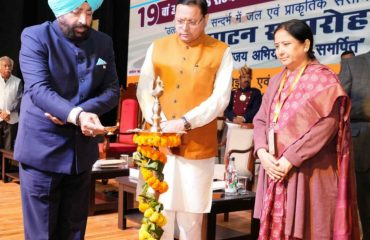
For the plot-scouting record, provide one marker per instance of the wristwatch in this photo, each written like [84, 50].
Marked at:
[187, 125]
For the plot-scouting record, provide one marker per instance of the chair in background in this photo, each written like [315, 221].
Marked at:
[239, 144]
[129, 117]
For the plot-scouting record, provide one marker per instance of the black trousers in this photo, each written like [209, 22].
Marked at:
[8, 132]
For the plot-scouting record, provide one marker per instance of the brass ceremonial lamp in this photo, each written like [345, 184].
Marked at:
[156, 110]
[151, 158]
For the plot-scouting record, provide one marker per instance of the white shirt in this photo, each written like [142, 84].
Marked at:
[10, 97]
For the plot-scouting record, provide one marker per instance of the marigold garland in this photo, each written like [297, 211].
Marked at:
[152, 153]
[151, 161]
[157, 140]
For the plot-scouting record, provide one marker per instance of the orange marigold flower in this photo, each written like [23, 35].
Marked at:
[151, 180]
[155, 155]
[164, 187]
[164, 141]
[163, 158]
[155, 184]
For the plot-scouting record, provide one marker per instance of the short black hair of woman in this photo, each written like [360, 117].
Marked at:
[201, 3]
[300, 31]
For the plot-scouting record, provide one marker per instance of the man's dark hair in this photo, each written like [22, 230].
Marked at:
[347, 52]
[201, 3]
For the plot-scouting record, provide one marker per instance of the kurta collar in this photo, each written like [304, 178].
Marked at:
[5, 81]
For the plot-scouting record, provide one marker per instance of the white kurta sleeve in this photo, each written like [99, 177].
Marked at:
[215, 104]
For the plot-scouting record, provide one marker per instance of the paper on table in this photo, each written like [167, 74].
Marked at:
[133, 172]
[108, 162]
[232, 125]
[218, 185]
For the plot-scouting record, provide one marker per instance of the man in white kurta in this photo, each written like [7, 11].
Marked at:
[196, 72]
[11, 89]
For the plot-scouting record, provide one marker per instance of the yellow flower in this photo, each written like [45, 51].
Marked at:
[156, 140]
[151, 180]
[163, 142]
[144, 227]
[161, 220]
[154, 217]
[143, 207]
[146, 173]
[148, 212]
[143, 235]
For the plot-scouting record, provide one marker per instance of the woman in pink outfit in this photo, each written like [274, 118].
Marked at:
[302, 138]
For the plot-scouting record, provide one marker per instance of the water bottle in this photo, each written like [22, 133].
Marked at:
[231, 178]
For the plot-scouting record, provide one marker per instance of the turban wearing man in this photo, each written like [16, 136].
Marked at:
[70, 80]
[245, 101]
[61, 7]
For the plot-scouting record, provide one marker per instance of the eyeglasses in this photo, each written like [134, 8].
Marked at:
[190, 23]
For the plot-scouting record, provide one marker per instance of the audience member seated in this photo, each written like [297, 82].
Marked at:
[11, 90]
[245, 101]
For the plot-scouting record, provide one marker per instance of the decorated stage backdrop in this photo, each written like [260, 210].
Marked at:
[247, 26]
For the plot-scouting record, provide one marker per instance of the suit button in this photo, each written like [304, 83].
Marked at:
[175, 101]
[184, 58]
[82, 79]
[178, 86]
[81, 97]
[173, 117]
[181, 72]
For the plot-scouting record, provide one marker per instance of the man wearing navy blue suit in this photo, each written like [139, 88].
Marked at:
[70, 79]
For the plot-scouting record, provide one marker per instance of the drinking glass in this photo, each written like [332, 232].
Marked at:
[124, 158]
[242, 184]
